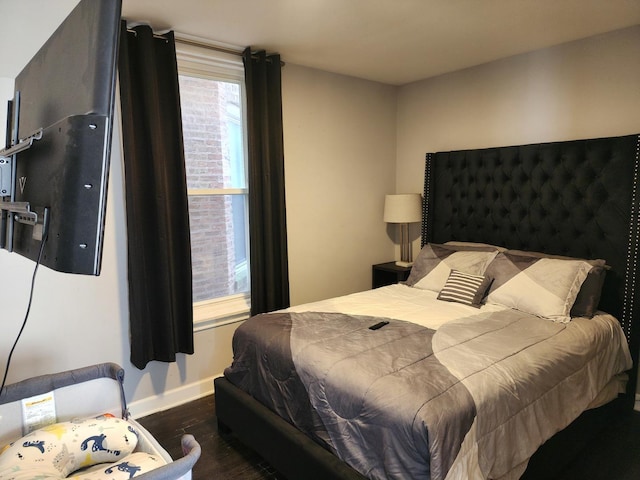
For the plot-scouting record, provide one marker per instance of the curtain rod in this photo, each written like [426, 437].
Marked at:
[209, 46]
[217, 48]
[195, 43]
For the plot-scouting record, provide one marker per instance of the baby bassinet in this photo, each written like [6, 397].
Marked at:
[86, 392]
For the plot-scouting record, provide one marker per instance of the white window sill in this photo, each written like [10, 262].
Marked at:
[219, 312]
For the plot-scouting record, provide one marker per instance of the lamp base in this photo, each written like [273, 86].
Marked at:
[400, 263]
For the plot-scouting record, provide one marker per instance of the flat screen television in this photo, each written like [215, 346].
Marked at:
[54, 169]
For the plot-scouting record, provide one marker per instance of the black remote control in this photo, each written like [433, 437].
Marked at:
[378, 325]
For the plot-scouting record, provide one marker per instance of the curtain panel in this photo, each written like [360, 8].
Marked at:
[158, 237]
[267, 210]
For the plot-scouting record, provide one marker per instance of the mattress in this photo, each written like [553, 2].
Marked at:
[440, 391]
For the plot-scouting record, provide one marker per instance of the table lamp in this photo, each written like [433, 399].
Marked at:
[403, 209]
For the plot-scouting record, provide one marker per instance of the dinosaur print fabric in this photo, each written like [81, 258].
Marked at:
[94, 448]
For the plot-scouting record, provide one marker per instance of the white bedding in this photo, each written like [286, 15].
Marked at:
[399, 302]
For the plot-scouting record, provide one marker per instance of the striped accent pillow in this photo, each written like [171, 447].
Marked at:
[464, 288]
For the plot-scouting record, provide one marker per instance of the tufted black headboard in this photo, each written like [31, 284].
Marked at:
[576, 198]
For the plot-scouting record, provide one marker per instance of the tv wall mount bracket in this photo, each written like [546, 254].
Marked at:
[21, 210]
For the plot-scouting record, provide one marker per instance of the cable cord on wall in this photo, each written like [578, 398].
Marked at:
[26, 316]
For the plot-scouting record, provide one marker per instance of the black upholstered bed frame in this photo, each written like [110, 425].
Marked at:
[576, 198]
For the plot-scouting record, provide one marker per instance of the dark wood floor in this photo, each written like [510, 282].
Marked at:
[614, 456]
[222, 457]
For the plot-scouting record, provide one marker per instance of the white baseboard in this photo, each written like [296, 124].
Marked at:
[171, 398]
[637, 404]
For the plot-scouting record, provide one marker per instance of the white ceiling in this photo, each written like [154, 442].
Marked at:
[389, 41]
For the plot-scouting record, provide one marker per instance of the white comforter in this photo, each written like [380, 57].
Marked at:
[399, 302]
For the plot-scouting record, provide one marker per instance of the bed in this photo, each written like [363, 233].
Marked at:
[368, 386]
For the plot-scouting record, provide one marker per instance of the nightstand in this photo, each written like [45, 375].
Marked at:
[388, 274]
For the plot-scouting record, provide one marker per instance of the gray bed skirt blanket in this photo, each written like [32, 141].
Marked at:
[473, 399]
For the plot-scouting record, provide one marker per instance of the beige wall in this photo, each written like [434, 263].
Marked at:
[6, 91]
[339, 135]
[583, 89]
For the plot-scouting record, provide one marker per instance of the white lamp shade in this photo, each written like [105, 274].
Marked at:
[403, 208]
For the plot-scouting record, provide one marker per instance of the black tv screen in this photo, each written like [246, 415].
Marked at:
[67, 90]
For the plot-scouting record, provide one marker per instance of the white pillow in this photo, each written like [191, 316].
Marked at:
[546, 287]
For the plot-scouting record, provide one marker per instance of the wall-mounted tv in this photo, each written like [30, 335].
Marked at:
[54, 169]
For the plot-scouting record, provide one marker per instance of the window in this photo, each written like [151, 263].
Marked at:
[212, 102]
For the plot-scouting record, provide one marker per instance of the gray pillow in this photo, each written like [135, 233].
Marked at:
[588, 298]
[542, 286]
[435, 262]
[465, 288]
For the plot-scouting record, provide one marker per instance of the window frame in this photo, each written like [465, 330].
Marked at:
[195, 58]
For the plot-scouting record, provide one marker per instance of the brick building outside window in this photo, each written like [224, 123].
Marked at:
[212, 104]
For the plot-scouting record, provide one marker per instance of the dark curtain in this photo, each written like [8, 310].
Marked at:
[159, 251]
[267, 212]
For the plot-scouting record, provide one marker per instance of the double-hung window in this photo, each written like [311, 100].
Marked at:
[212, 97]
